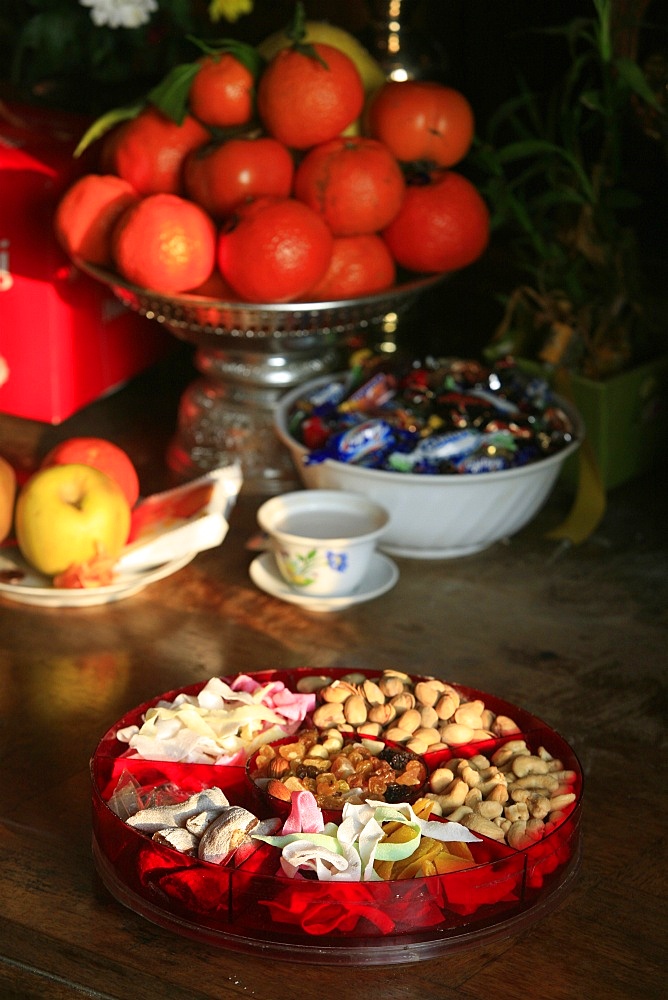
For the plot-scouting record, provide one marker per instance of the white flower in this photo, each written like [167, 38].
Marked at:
[120, 13]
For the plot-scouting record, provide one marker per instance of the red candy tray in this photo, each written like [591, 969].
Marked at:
[249, 905]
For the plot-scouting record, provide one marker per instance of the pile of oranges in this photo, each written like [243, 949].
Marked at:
[282, 185]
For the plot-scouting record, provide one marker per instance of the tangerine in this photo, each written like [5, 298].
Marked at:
[421, 120]
[442, 225]
[87, 213]
[360, 265]
[219, 177]
[274, 250]
[165, 243]
[354, 183]
[221, 94]
[304, 99]
[149, 150]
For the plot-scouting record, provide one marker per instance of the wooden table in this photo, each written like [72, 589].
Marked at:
[577, 637]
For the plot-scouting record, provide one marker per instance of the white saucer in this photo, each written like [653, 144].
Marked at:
[381, 577]
[33, 588]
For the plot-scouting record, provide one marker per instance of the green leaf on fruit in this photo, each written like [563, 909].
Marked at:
[105, 123]
[170, 96]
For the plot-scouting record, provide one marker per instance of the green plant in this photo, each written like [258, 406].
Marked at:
[554, 172]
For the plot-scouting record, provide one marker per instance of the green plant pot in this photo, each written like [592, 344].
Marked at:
[625, 419]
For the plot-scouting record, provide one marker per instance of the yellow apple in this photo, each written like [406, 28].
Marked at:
[69, 515]
[7, 497]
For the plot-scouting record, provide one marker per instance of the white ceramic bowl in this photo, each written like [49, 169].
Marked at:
[323, 540]
[435, 517]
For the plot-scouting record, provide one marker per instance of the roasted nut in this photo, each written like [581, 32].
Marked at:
[409, 720]
[455, 734]
[396, 735]
[403, 702]
[383, 714]
[354, 710]
[329, 714]
[485, 827]
[440, 779]
[469, 713]
[278, 767]
[337, 692]
[428, 692]
[503, 726]
[309, 685]
[391, 686]
[278, 790]
[372, 693]
[448, 703]
[429, 718]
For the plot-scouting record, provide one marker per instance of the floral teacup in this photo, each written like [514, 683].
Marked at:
[323, 540]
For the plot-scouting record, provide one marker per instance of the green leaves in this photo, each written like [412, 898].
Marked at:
[105, 123]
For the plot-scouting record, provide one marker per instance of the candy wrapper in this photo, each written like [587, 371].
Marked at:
[438, 416]
[188, 518]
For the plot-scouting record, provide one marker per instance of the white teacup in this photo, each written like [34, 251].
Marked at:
[323, 540]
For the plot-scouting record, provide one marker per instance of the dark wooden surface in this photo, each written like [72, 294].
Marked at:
[577, 637]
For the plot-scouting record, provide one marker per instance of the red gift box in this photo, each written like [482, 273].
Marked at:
[65, 339]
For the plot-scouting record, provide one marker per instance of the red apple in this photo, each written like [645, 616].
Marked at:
[70, 515]
[7, 497]
[102, 455]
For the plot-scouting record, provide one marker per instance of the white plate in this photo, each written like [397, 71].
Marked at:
[33, 588]
[381, 577]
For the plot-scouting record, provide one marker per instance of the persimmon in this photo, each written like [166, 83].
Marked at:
[359, 265]
[87, 213]
[421, 120]
[307, 95]
[355, 183]
[220, 176]
[274, 250]
[165, 243]
[442, 225]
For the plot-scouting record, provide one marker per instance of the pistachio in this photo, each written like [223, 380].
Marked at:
[396, 735]
[455, 734]
[403, 702]
[391, 686]
[409, 720]
[428, 692]
[309, 685]
[337, 692]
[354, 710]
[469, 713]
[372, 693]
[383, 714]
[328, 714]
[447, 704]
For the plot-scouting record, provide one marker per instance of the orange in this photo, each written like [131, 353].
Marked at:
[165, 243]
[360, 265]
[442, 225]
[87, 214]
[149, 151]
[421, 120]
[218, 177]
[305, 99]
[221, 95]
[274, 250]
[354, 183]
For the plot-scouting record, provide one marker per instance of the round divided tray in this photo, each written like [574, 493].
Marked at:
[248, 905]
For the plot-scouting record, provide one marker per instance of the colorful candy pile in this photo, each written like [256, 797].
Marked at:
[434, 416]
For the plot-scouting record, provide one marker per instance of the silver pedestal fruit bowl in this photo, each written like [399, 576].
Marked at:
[248, 355]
